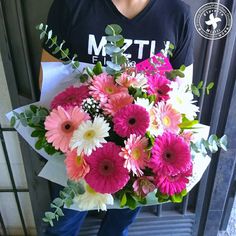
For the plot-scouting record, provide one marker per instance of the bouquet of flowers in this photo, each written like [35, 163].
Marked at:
[125, 134]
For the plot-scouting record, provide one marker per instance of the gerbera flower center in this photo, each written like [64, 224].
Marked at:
[79, 160]
[132, 121]
[109, 90]
[168, 156]
[89, 134]
[106, 167]
[159, 92]
[67, 127]
[166, 121]
[136, 153]
[70, 98]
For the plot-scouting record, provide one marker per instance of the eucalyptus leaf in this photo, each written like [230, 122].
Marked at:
[113, 66]
[114, 38]
[113, 29]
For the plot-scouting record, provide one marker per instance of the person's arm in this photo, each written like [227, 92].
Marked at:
[46, 57]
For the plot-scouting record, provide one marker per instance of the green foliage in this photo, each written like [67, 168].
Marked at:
[187, 124]
[176, 198]
[171, 75]
[115, 41]
[212, 144]
[34, 117]
[58, 48]
[65, 199]
[197, 89]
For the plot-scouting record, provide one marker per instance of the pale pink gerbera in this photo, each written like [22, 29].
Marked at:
[76, 166]
[104, 86]
[131, 119]
[168, 119]
[144, 185]
[107, 173]
[70, 97]
[116, 102]
[159, 86]
[60, 125]
[170, 154]
[171, 184]
[135, 154]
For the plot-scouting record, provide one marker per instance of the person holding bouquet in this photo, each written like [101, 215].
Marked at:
[147, 25]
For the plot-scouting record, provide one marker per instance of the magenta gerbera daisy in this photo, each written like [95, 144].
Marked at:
[170, 154]
[159, 86]
[76, 166]
[135, 154]
[171, 184]
[60, 125]
[131, 119]
[104, 86]
[70, 97]
[107, 173]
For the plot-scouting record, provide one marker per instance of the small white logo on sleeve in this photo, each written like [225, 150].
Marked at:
[213, 21]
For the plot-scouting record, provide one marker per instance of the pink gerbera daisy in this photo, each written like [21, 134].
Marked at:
[116, 102]
[159, 86]
[60, 125]
[131, 119]
[76, 166]
[104, 86]
[170, 154]
[144, 185]
[168, 119]
[171, 184]
[107, 173]
[71, 97]
[135, 154]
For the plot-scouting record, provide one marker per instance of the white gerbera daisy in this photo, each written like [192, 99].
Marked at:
[91, 200]
[181, 100]
[90, 135]
[144, 102]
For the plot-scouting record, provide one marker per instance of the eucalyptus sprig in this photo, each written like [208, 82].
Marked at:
[57, 46]
[197, 89]
[66, 199]
[34, 117]
[212, 144]
[115, 42]
[171, 75]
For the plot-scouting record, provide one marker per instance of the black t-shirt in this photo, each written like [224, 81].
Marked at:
[81, 23]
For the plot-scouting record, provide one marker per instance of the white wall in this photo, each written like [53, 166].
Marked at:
[8, 207]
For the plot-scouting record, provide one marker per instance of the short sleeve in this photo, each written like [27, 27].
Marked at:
[183, 54]
[58, 21]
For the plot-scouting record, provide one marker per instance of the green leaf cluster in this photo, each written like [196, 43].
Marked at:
[57, 47]
[171, 75]
[65, 199]
[34, 117]
[212, 144]
[176, 198]
[115, 42]
[196, 90]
